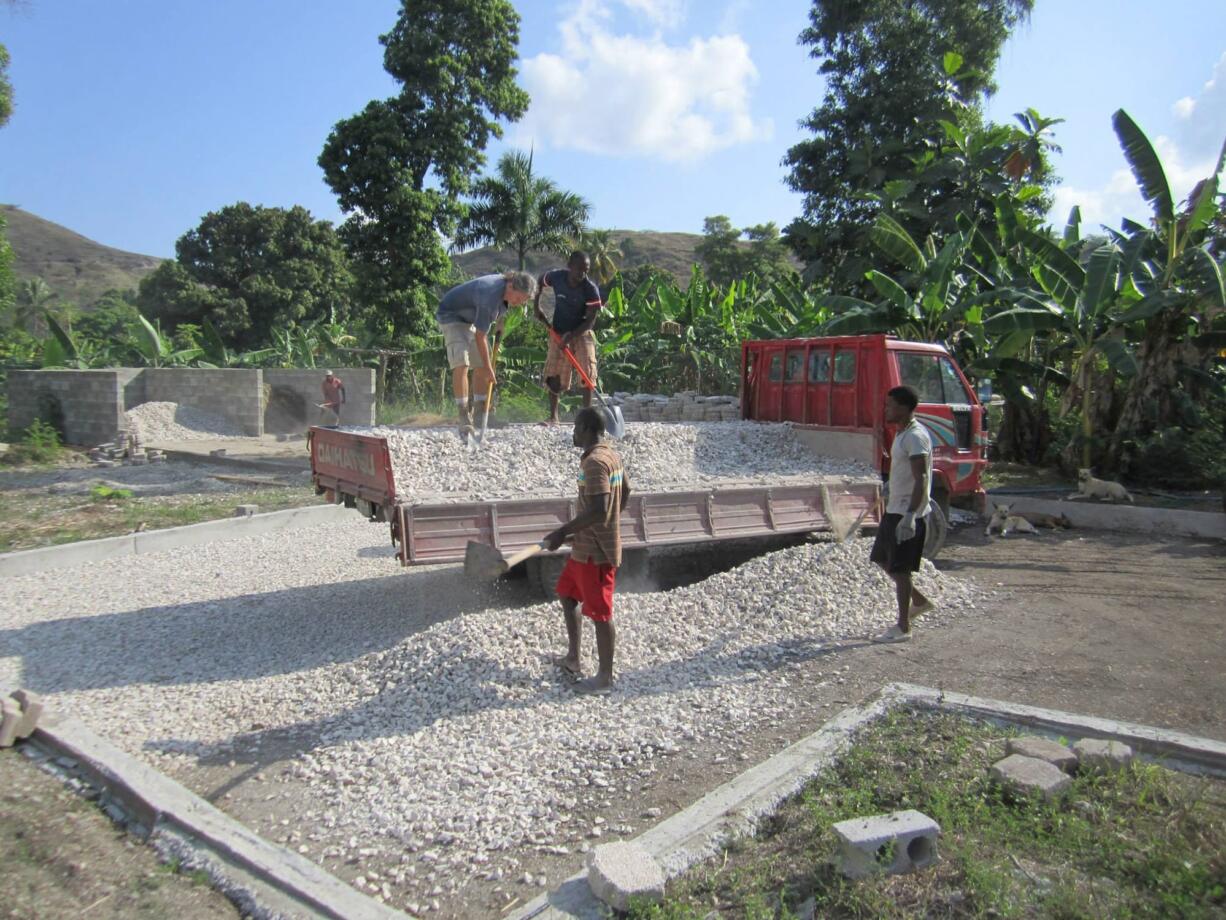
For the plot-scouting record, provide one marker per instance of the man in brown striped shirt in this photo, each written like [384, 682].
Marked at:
[591, 570]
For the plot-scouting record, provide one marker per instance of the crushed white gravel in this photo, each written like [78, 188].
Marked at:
[535, 459]
[154, 422]
[435, 730]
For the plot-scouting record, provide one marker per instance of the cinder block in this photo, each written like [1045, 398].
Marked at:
[620, 872]
[10, 721]
[1102, 756]
[893, 843]
[31, 710]
[246, 510]
[1030, 776]
[1053, 752]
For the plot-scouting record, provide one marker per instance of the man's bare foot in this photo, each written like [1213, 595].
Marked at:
[570, 665]
[594, 686]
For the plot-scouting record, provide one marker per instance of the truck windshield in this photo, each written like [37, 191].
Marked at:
[933, 378]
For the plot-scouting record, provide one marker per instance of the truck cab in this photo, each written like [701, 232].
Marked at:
[837, 385]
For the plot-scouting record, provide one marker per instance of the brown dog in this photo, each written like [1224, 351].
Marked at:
[1041, 519]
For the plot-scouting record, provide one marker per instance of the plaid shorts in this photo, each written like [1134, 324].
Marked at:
[557, 364]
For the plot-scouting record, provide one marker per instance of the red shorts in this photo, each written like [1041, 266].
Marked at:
[591, 584]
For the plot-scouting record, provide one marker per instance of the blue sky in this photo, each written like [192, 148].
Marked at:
[136, 117]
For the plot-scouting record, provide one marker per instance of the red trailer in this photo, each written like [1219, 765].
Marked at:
[837, 384]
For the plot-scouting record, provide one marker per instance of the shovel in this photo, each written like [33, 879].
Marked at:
[615, 425]
[479, 440]
[839, 514]
[485, 563]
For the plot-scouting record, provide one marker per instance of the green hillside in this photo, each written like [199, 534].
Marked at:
[673, 252]
[77, 269]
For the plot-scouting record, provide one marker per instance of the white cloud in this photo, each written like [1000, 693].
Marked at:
[1202, 126]
[1120, 197]
[667, 13]
[1186, 159]
[730, 21]
[627, 94]
[1183, 108]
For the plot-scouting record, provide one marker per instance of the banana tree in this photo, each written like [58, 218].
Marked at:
[1178, 279]
[156, 350]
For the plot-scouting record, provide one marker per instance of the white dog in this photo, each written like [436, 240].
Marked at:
[1102, 489]
[1007, 523]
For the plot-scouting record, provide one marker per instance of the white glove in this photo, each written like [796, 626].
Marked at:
[906, 528]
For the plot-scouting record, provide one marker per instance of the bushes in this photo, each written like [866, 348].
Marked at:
[1182, 458]
[40, 444]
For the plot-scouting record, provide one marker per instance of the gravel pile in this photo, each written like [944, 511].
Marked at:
[535, 459]
[435, 733]
[154, 422]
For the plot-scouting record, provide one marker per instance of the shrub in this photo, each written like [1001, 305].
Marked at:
[39, 444]
[1182, 458]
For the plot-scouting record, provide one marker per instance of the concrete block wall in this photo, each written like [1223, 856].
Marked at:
[233, 393]
[90, 404]
[293, 389]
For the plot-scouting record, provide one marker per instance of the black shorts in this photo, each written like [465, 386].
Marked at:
[894, 556]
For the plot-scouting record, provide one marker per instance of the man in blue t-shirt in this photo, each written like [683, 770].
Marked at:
[576, 300]
[465, 315]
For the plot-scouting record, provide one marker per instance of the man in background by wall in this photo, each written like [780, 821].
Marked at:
[334, 397]
[576, 300]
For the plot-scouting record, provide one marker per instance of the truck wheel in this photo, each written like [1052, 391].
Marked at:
[544, 572]
[938, 530]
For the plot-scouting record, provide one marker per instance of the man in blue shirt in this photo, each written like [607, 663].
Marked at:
[466, 314]
[576, 300]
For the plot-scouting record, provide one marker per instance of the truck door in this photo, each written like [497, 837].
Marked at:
[947, 409]
[770, 384]
[843, 411]
[818, 390]
[794, 386]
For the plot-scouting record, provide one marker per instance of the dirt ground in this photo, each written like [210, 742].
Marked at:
[1113, 625]
[63, 857]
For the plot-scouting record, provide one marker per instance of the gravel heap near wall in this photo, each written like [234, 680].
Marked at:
[430, 737]
[535, 459]
[153, 422]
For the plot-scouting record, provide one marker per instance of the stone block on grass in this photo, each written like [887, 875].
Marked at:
[619, 873]
[1053, 752]
[1026, 776]
[31, 710]
[898, 842]
[10, 721]
[1100, 756]
[246, 510]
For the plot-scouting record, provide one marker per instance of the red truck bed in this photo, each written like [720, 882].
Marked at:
[357, 470]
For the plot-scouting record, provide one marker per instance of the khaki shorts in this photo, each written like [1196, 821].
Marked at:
[461, 341]
[558, 365]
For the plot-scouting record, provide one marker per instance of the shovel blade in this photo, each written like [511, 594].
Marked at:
[615, 425]
[483, 562]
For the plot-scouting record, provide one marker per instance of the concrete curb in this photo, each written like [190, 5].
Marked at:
[177, 818]
[736, 807]
[731, 810]
[26, 561]
[1094, 515]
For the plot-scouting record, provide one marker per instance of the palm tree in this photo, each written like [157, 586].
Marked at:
[604, 253]
[516, 209]
[33, 299]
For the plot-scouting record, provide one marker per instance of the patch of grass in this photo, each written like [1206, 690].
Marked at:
[1004, 475]
[32, 519]
[105, 493]
[1142, 842]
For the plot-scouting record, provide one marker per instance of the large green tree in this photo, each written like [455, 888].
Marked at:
[400, 167]
[893, 69]
[249, 270]
[727, 253]
[520, 210]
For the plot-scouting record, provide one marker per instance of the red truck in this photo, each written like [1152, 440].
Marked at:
[836, 385]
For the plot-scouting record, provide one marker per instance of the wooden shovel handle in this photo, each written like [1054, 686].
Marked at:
[523, 554]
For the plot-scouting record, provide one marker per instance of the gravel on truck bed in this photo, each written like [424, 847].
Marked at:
[540, 460]
[429, 739]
